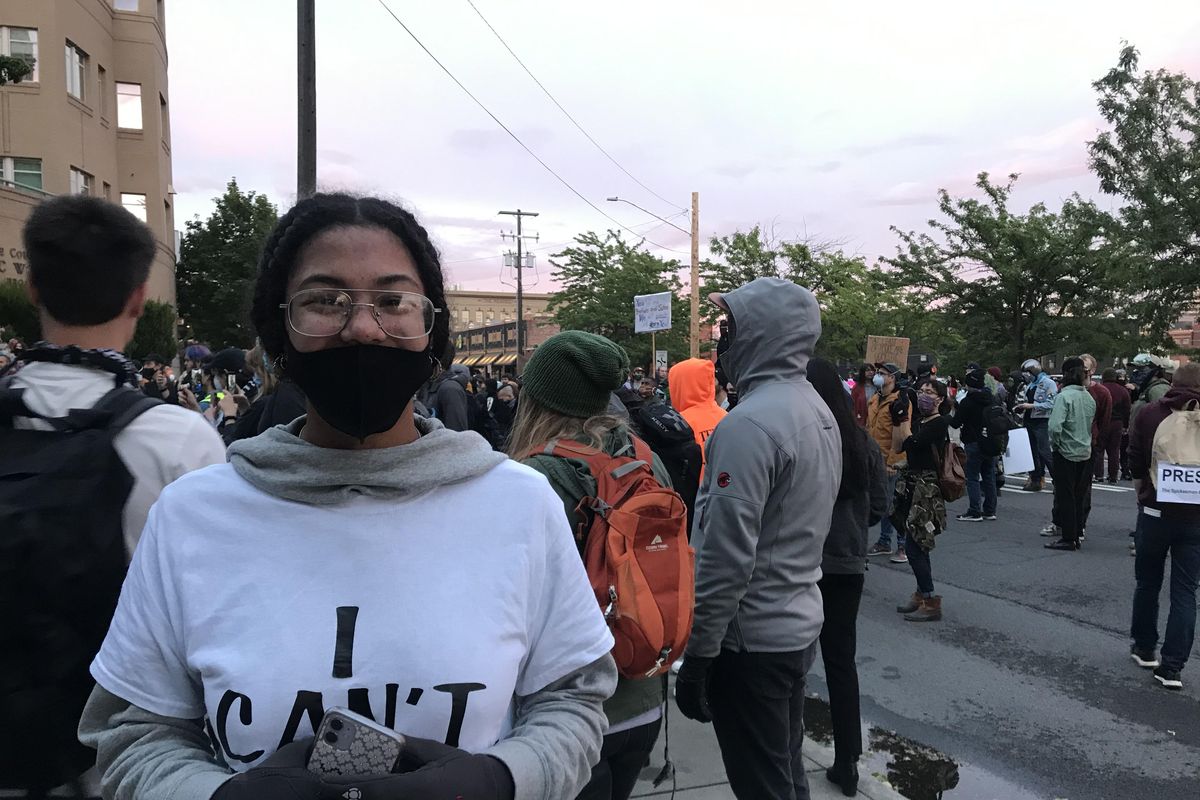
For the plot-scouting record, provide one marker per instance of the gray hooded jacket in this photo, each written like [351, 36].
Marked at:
[772, 475]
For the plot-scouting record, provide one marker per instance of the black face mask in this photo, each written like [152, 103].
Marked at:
[728, 332]
[362, 389]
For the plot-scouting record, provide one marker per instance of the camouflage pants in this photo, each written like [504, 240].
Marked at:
[919, 508]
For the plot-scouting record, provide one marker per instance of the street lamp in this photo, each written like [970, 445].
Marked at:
[695, 234]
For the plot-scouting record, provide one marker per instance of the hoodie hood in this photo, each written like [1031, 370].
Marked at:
[777, 327]
[460, 373]
[1177, 397]
[282, 464]
[693, 383]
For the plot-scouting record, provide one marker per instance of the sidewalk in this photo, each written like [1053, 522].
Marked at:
[700, 774]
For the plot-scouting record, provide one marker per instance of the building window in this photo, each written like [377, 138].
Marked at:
[20, 43]
[129, 105]
[76, 71]
[164, 119]
[135, 204]
[125, 5]
[23, 172]
[81, 182]
[102, 87]
[107, 190]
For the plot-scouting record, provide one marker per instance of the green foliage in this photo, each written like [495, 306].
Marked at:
[14, 70]
[18, 316]
[1151, 159]
[155, 332]
[218, 262]
[599, 279]
[1017, 285]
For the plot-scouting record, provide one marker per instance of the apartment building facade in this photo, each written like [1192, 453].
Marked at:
[93, 118]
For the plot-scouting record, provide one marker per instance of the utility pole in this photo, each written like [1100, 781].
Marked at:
[695, 331]
[520, 238]
[306, 97]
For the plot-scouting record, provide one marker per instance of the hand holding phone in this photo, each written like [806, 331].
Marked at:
[350, 744]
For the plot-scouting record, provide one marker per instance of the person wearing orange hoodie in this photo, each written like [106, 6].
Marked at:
[693, 385]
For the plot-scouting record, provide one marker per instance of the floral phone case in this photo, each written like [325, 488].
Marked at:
[350, 744]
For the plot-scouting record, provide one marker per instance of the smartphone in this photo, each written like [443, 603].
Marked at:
[350, 744]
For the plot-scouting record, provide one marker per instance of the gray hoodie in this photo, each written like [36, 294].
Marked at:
[772, 475]
[556, 733]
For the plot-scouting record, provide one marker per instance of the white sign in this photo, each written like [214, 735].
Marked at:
[652, 312]
[1178, 483]
[1019, 455]
[660, 362]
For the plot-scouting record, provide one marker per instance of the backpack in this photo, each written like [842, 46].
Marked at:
[996, 424]
[637, 557]
[1177, 440]
[951, 472]
[670, 437]
[62, 563]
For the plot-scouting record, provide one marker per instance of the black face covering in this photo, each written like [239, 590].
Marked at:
[362, 389]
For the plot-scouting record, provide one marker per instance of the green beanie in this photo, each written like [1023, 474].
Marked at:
[575, 373]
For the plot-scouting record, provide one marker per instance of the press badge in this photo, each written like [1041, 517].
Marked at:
[1178, 483]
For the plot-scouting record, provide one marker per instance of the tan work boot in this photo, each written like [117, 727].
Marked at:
[930, 610]
[912, 605]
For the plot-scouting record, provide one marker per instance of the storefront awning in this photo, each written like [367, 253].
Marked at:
[470, 361]
[506, 361]
[485, 360]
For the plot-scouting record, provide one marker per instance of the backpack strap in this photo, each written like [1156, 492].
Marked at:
[122, 406]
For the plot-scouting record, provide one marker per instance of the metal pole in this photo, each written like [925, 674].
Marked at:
[654, 356]
[519, 214]
[695, 320]
[306, 88]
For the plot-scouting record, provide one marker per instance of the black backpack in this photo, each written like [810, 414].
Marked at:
[62, 563]
[672, 440]
[997, 422]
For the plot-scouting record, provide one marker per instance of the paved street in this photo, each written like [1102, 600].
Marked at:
[1027, 684]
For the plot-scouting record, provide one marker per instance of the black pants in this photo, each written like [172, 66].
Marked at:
[1110, 445]
[757, 702]
[621, 760]
[1072, 494]
[840, 595]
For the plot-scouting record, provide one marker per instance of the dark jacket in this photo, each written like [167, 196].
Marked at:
[448, 401]
[279, 407]
[1103, 415]
[846, 546]
[969, 414]
[1121, 402]
[1141, 445]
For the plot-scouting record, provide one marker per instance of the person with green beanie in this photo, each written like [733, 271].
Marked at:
[566, 390]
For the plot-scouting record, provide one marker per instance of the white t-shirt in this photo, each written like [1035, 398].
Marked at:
[159, 446]
[261, 612]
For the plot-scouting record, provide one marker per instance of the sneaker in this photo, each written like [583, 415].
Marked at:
[1062, 544]
[1168, 677]
[1050, 530]
[969, 517]
[679, 665]
[1030, 486]
[1133, 549]
[899, 558]
[1143, 658]
[880, 549]
[1082, 535]
[990, 517]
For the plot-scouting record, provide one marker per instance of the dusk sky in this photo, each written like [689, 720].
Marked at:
[828, 122]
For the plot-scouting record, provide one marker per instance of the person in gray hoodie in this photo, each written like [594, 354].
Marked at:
[336, 562]
[774, 466]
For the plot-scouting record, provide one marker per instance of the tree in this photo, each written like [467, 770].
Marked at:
[217, 265]
[600, 278]
[14, 69]
[18, 317]
[1151, 159]
[852, 296]
[1017, 285]
[155, 332]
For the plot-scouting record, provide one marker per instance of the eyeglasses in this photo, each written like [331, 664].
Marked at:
[326, 312]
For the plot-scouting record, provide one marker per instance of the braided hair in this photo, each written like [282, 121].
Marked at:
[323, 212]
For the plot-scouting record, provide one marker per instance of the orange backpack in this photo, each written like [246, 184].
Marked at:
[637, 556]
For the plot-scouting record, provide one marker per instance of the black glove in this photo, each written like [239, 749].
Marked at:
[899, 409]
[691, 688]
[283, 776]
[430, 770]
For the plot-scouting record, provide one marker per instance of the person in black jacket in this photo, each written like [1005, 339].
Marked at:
[861, 502]
[278, 402]
[980, 467]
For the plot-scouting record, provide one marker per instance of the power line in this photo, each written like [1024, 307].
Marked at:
[555, 245]
[566, 113]
[516, 138]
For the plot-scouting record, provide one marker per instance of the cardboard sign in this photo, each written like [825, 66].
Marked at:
[660, 362]
[887, 350]
[1019, 455]
[1178, 483]
[652, 312]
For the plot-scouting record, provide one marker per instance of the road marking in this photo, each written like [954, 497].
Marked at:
[1117, 489]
